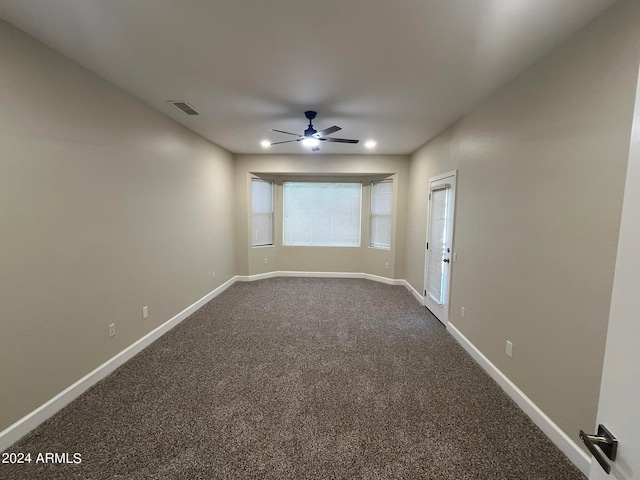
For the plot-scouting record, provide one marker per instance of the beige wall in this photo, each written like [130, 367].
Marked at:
[105, 206]
[541, 170]
[250, 260]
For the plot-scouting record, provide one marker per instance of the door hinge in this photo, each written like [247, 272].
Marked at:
[429, 195]
[425, 293]
[427, 245]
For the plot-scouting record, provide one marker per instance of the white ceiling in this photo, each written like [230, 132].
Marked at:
[396, 71]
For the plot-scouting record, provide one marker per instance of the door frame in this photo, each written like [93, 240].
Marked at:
[619, 389]
[451, 179]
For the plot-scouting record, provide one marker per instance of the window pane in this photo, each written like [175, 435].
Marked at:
[322, 214]
[381, 208]
[437, 233]
[261, 212]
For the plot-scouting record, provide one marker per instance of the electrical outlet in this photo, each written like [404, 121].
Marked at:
[145, 312]
[112, 330]
[386, 266]
[214, 274]
[509, 349]
[462, 312]
[266, 261]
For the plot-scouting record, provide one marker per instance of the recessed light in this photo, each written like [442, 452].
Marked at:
[310, 142]
[265, 143]
[370, 144]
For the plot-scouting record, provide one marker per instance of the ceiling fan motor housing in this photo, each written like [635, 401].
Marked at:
[310, 114]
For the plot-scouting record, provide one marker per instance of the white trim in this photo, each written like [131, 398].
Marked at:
[414, 292]
[19, 429]
[29, 422]
[442, 176]
[294, 273]
[15, 432]
[550, 429]
[253, 278]
[441, 186]
[388, 281]
[441, 311]
[287, 240]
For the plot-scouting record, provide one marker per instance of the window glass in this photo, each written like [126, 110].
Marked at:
[261, 212]
[322, 214]
[381, 208]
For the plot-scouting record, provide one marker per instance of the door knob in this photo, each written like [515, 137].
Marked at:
[446, 260]
[607, 443]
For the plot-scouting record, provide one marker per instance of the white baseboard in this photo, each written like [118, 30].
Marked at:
[293, 273]
[413, 292]
[253, 278]
[23, 426]
[15, 432]
[19, 429]
[550, 429]
[386, 280]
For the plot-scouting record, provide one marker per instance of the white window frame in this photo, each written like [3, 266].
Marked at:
[372, 216]
[261, 215]
[289, 242]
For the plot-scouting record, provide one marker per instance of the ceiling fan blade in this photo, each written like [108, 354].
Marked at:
[315, 149]
[286, 141]
[339, 140]
[327, 131]
[288, 133]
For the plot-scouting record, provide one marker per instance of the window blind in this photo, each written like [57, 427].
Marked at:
[261, 212]
[381, 207]
[437, 233]
[322, 214]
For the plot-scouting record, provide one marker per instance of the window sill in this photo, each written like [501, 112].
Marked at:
[323, 246]
[380, 248]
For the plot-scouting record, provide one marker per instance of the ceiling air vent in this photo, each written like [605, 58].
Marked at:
[184, 106]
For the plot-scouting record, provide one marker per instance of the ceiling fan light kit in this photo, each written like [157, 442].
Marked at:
[311, 137]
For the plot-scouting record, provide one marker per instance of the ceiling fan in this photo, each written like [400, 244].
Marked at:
[311, 137]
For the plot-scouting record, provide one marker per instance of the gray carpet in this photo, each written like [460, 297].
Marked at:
[296, 378]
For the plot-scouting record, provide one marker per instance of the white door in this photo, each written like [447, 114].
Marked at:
[619, 406]
[438, 255]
